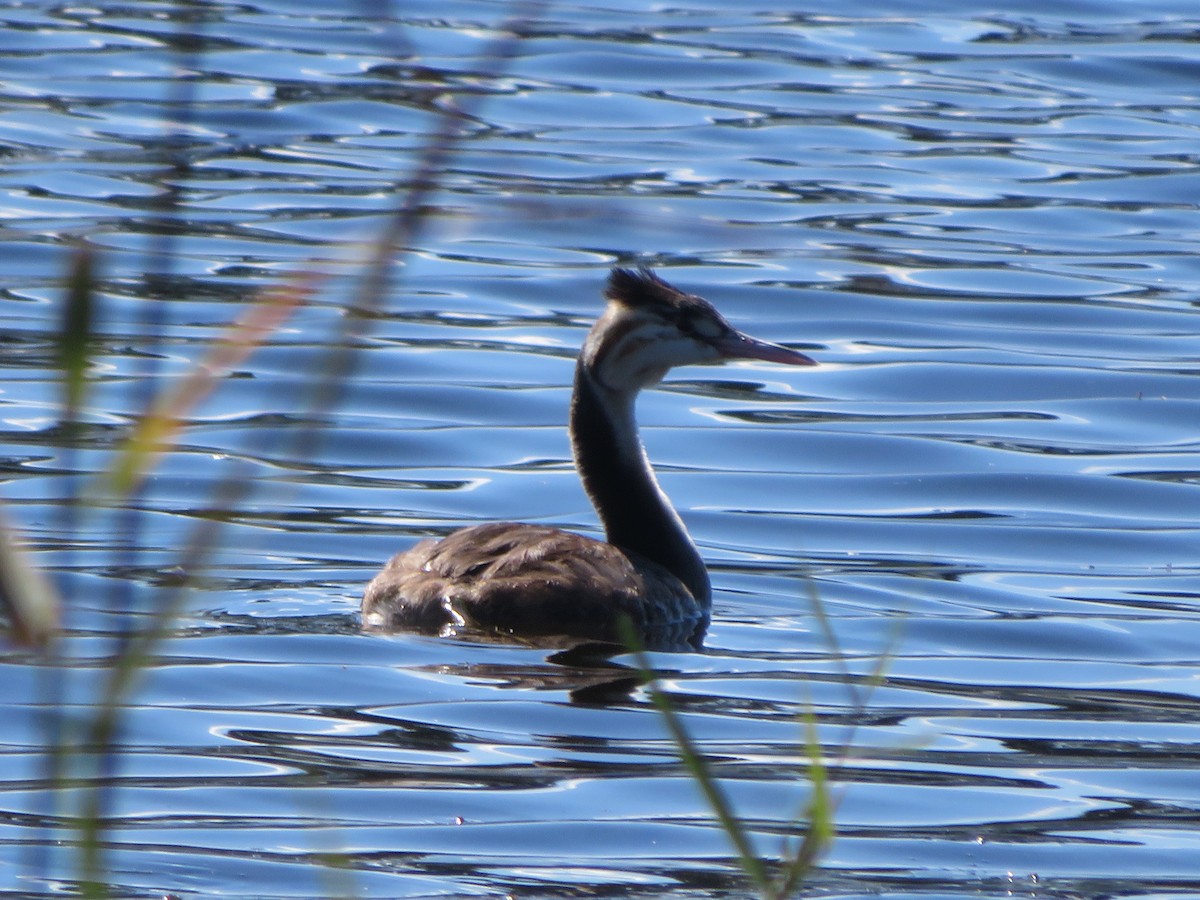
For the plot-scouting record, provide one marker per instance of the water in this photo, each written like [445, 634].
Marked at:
[982, 223]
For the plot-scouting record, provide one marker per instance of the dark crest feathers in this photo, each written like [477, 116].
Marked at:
[640, 287]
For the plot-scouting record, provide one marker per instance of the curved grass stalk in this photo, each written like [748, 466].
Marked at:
[818, 832]
[157, 430]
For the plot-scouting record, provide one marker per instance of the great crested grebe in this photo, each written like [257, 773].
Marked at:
[523, 579]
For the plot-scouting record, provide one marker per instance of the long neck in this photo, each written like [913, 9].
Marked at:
[637, 515]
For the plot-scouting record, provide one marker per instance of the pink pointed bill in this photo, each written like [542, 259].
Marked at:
[742, 346]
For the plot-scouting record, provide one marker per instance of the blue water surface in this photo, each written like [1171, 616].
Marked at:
[965, 546]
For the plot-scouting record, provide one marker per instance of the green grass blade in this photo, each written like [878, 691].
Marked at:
[75, 332]
[156, 430]
[820, 830]
[699, 769]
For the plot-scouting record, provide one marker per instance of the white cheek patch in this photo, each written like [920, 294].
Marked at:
[632, 364]
[645, 353]
[627, 355]
[643, 357]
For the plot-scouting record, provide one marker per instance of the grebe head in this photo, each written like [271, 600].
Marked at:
[649, 327]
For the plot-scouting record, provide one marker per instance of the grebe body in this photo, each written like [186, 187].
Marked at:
[525, 580]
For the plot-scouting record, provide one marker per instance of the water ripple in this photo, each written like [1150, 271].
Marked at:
[982, 224]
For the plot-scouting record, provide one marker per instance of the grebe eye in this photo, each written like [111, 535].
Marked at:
[696, 323]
